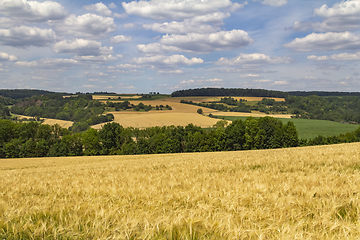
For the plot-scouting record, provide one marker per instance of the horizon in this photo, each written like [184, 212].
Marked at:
[168, 45]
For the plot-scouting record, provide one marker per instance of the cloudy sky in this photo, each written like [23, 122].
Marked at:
[166, 45]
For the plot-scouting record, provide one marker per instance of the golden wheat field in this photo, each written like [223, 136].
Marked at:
[301, 193]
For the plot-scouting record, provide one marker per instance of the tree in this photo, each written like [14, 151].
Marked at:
[91, 142]
[199, 111]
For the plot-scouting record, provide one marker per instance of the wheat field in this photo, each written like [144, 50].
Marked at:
[301, 193]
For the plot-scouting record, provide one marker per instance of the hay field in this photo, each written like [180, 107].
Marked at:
[302, 193]
[159, 118]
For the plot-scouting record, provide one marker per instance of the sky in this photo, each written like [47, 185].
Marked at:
[167, 45]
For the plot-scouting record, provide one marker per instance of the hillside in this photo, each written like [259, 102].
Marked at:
[307, 193]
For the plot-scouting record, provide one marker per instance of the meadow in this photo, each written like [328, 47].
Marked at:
[293, 193]
[310, 128]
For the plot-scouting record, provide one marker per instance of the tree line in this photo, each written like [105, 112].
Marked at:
[33, 139]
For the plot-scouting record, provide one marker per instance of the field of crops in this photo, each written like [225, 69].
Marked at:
[302, 193]
[309, 128]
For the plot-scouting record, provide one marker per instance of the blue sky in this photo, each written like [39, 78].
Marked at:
[167, 45]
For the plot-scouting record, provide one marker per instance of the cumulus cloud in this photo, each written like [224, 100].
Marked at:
[25, 36]
[177, 71]
[178, 10]
[33, 11]
[7, 57]
[87, 25]
[343, 16]
[168, 60]
[325, 41]
[192, 25]
[104, 10]
[49, 63]
[96, 58]
[337, 57]
[254, 58]
[101, 8]
[82, 47]
[7, 22]
[196, 42]
[120, 39]
[249, 75]
[276, 3]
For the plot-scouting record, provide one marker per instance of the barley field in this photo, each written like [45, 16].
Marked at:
[301, 193]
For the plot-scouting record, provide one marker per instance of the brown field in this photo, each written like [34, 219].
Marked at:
[301, 193]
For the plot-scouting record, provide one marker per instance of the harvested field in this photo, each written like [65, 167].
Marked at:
[301, 193]
[165, 118]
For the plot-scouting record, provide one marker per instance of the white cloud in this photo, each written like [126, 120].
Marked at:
[7, 57]
[32, 10]
[177, 71]
[254, 58]
[156, 48]
[196, 42]
[318, 58]
[276, 3]
[87, 25]
[325, 42]
[186, 26]
[177, 10]
[126, 66]
[168, 60]
[249, 75]
[340, 17]
[191, 25]
[337, 57]
[101, 8]
[262, 81]
[49, 63]
[120, 39]
[99, 58]
[281, 83]
[7, 22]
[82, 47]
[346, 56]
[25, 36]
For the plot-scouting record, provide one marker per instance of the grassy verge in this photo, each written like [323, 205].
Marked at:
[309, 128]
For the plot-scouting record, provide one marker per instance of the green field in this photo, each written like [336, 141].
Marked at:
[309, 128]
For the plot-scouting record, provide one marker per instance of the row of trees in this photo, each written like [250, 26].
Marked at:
[228, 92]
[38, 140]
